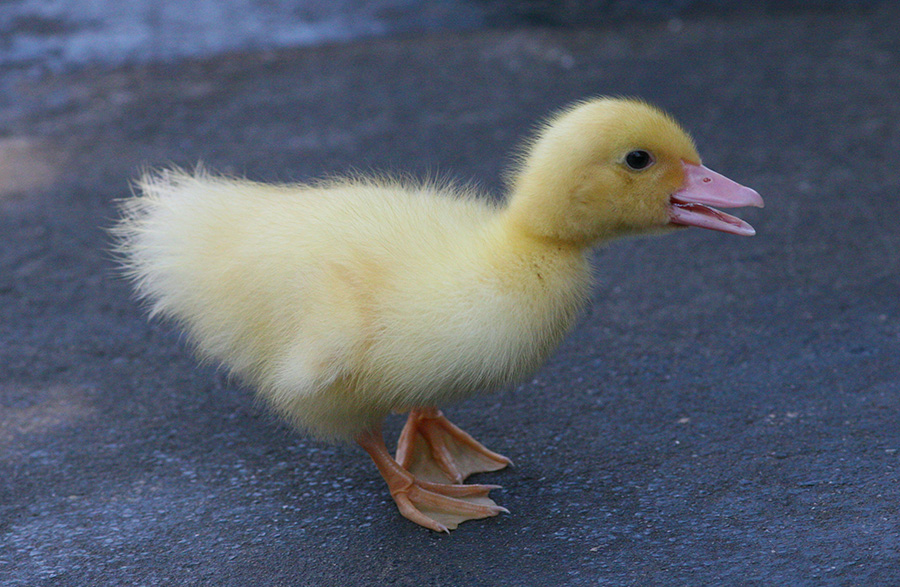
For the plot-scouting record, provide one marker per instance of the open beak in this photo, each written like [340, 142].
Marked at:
[703, 187]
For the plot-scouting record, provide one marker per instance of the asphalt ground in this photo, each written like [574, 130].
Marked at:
[725, 413]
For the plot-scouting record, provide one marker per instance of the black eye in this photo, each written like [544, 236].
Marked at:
[638, 159]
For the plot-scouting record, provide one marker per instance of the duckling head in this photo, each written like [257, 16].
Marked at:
[612, 167]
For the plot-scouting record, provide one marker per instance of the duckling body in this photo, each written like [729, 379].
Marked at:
[343, 301]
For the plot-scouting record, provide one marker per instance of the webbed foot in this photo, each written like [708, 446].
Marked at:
[438, 506]
[434, 449]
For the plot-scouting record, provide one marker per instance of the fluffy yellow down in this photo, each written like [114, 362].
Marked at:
[343, 301]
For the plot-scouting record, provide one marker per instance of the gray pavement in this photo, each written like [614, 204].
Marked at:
[725, 413]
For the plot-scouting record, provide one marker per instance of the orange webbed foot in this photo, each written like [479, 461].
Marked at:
[437, 506]
[434, 449]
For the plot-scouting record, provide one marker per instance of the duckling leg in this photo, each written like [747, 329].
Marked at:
[439, 507]
[434, 449]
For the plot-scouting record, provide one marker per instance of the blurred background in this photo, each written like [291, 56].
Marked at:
[40, 36]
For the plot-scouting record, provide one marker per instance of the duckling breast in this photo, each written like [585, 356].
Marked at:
[473, 321]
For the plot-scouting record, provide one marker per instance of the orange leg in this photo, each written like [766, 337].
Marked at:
[436, 506]
[433, 448]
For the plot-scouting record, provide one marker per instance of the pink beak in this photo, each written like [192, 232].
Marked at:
[703, 187]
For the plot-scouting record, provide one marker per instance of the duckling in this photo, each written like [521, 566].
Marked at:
[345, 300]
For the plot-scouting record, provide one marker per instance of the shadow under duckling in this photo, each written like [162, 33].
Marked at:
[343, 301]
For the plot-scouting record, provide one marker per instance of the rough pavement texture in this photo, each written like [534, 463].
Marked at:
[725, 413]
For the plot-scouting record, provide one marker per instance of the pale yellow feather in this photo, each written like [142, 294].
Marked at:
[345, 300]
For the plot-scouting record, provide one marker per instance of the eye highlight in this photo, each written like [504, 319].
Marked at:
[638, 159]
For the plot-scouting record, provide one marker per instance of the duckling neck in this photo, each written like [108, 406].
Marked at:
[530, 218]
[522, 254]
[521, 237]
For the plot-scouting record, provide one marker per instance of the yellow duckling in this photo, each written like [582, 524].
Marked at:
[343, 301]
